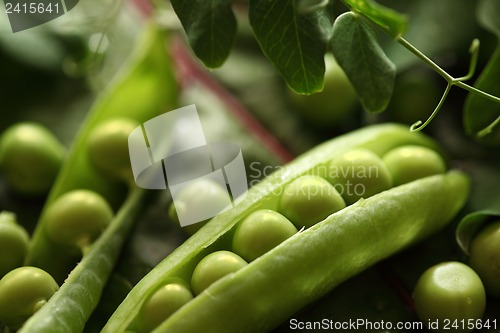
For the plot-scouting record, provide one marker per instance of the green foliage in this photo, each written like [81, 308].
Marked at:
[479, 112]
[355, 46]
[294, 42]
[295, 35]
[210, 27]
[388, 19]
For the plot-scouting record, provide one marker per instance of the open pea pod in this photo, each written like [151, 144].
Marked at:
[305, 266]
[143, 89]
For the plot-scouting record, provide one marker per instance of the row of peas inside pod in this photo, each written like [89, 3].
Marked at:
[30, 158]
[73, 221]
[305, 201]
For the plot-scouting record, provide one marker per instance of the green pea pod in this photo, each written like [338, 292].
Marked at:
[144, 89]
[270, 289]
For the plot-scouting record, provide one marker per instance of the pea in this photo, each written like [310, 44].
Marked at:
[485, 257]
[199, 201]
[416, 94]
[14, 241]
[309, 199]
[358, 174]
[108, 147]
[335, 103]
[451, 291]
[23, 291]
[77, 218]
[165, 301]
[213, 267]
[30, 157]
[408, 163]
[260, 232]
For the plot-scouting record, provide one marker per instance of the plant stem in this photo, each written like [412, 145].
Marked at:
[450, 79]
[418, 125]
[452, 82]
[487, 130]
[407, 45]
[477, 91]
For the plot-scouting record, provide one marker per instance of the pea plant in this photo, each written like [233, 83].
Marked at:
[294, 36]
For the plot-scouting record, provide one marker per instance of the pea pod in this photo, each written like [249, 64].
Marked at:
[259, 296]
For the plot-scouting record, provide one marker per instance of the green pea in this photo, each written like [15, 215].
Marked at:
[358, 174]
[408, 163]
[449, 291]
[416, 94]
[308, 200]
[14, 241]
[30, 157]
[485, 257]
[165, 301]
[108, 147]
[213, 267]
[200, 196]
[335, 103]
[23, 291]
[77, 218]
[260, 232]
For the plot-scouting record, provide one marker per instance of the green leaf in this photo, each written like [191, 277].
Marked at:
[210, 26]
[355, 47]
[305, 6]
[294, 42]
[488, 12]
[480, 112]
[391, 21]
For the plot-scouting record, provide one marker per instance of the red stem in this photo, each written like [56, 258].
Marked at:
[144, 7]
[190, 70]
[398, 286]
